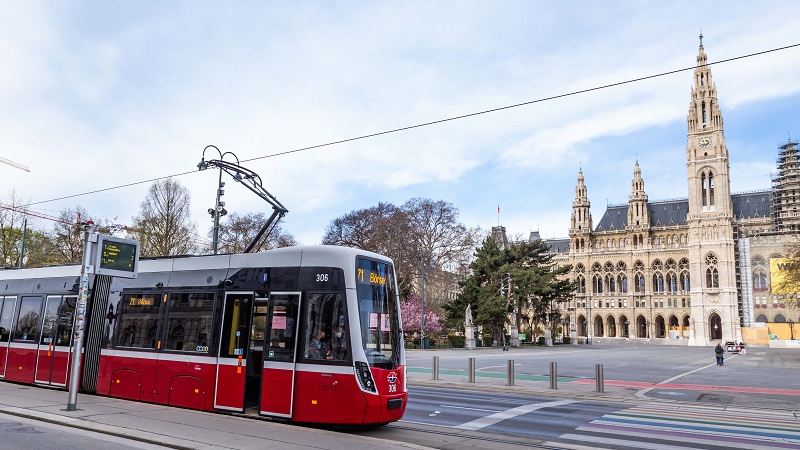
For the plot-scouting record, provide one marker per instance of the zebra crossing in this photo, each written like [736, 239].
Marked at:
[673, 427]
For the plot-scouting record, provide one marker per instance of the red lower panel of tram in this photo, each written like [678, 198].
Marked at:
[21, 363]
[183, 381]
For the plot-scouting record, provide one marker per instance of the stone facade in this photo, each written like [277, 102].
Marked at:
[695, 269]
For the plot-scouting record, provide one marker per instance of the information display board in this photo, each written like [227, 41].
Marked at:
[116, 257]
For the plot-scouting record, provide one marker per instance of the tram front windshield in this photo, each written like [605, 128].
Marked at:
[378, 313]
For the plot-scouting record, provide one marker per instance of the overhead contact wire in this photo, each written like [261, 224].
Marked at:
[436, 122]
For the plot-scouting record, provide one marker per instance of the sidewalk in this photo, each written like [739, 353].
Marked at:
[172, 427]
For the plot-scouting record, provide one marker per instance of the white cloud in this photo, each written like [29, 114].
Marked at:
[103, 98]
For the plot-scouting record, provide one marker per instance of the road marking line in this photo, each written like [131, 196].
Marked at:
[643, 392]
[486, 421]
[620, 442]
[471, 409]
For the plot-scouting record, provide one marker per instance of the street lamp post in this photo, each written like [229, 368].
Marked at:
[647, 330]
[588, 323]
[791, 328]
[422, 313]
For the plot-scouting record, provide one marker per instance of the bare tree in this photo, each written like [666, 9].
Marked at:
[11, 220]
[163, 225]
[441, 244]
[422, 231]
[65, 241]
[239, 230]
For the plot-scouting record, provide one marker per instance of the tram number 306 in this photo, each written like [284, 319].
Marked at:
[322, 277]
[392, 388]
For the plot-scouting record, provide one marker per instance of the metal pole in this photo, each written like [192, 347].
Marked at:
[422, 315]
[215, 239]
[22, 249]
[510, 372]
[435, 371]
[80, 318]
[598, 374]
[471, 370]
[553, 375]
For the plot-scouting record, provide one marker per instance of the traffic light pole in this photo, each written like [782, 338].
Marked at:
[80, 318]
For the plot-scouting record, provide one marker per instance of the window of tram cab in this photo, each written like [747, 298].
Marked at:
[326, 333]
[378, 313]
[138, 320]
[189, 321]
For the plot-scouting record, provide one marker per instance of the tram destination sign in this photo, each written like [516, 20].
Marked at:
[116, 257]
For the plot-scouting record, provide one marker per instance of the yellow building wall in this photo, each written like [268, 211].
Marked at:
[755, 335]
[783, 331]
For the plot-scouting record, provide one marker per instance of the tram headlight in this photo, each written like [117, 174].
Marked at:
[365, 377]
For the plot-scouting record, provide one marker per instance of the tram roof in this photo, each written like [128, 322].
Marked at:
[304, 255]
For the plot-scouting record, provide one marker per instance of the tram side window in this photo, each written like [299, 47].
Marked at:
[28, 319]
[6, 316]
[189, 323]
[138, 323]
[326, 336]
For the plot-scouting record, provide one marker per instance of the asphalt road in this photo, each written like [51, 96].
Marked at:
[19, 432]
[456, 419]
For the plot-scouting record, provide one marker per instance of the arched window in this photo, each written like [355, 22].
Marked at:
[672, 282]
[639, 283]
[759, 280]
[712, 274]
[658, 282]
[597, 283]
[711, 189]
[704, 187]
[622, 282]
[581, 282]
[704, 114]
[685, 285]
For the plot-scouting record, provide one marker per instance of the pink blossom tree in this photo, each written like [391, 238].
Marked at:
[411, 310]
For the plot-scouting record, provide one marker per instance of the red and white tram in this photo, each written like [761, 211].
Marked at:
[309, 334]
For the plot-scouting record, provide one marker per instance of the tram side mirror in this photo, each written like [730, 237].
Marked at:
[228, 282]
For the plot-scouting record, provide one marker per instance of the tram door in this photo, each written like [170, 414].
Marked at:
[55, 349]
[7, 305]
[277, 382]
[234, 350]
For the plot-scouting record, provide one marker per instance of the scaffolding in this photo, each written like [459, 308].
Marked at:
[786, 188]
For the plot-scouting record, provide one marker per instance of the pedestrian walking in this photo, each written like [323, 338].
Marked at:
[719, 351]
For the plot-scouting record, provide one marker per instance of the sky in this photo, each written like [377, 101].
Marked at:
[99, 94]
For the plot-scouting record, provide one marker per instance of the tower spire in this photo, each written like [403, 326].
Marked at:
[638, 214]
[581, 221]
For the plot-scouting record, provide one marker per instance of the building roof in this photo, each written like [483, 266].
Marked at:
[662, 214]
[751, 205]
[558, 245]
[746, 205]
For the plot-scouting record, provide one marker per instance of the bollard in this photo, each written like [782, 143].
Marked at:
[553, 375]
[598, 375]
[435, 371]
[510, 372]
[472, 370]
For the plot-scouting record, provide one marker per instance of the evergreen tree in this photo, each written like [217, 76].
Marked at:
[482, 290]
[520, 280]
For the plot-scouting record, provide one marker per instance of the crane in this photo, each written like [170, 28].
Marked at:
[13, 164]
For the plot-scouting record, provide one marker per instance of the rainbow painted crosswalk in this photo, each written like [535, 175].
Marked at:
[673, 427]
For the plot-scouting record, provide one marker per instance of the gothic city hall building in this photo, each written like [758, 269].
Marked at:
[695, 270]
